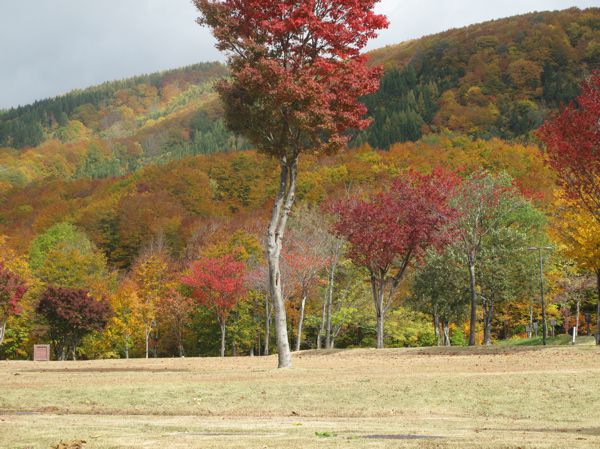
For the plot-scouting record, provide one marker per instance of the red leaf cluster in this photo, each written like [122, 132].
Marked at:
[573, 146]
[217, 282]
[12, 290]
[73, 312]
[399, 224]
[337, 28]
[297, 69]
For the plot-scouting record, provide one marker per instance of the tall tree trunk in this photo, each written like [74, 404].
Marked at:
[2, 331]
[147, 340]
[323, 319]
[446, 330]
[377, 286]
[74, 348]
[155, 341]
[380, 328]
[488, 311]
[267, 325]
[530, 333]
[179, 334]
[222, 324]
[598, 308]
[473, 322]
[436, 326]
[542, 300]
[258, 345]
[330, 286]
[576, 328]
[281, 210]
[126, 346]
[301, 321]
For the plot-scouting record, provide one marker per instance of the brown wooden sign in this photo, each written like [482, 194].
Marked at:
[41, 353]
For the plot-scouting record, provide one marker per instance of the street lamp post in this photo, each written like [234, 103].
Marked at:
[540, 250]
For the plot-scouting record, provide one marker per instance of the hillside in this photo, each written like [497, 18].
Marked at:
[114, 128]
[201, 199]
[496, 79]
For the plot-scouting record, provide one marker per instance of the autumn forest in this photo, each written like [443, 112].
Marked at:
[133, 214]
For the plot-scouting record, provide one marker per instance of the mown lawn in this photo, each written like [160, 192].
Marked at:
[498, 397]
[559, 340]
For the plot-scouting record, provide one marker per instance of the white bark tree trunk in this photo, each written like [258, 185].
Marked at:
[323, 319]
[281, 210]
[148, 330]
[330, 286]
[2, 331]
[378, 296]
[267, 325]
[446, 330]
[301, 322]
[223, 330]
[473, 321]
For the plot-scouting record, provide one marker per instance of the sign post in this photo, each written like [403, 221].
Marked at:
[41, 353]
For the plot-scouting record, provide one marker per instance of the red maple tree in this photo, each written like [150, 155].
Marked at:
[217, 283]
[297, 73]
[391, 229]
[12, 289]
[573, 146]
[71, 315]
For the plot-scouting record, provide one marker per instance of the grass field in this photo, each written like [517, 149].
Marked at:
[499, 397]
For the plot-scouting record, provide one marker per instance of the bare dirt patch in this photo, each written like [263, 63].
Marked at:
[105, 370]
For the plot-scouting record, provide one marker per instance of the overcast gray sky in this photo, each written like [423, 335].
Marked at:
[48, 47]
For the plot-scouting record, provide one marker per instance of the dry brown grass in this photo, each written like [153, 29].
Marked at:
[467, 398]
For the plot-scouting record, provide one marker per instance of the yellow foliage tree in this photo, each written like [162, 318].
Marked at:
[127, 322]
[154, 281]
[577, 233]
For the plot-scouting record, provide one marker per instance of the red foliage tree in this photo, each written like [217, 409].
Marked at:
[72, 314]
[12, 289]
[296, 76]
[393, 228]
[573, 149]
[217, 283]
[573, 146]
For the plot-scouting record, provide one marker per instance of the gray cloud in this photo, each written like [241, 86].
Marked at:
[48, 47]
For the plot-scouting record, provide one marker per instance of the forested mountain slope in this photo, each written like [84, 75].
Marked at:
[114, 128]
[194, 200]
[496, 79]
